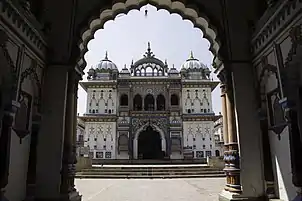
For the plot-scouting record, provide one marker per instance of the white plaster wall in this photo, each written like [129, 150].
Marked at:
[104, 99]
[282, 165]
[199, 130]
[199, 99]
[280, 151]
[19, 152]
[99, 131]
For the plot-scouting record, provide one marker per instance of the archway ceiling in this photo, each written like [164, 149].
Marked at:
[189, 11]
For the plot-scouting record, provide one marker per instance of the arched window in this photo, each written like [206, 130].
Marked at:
[137, 103]
[149, 103]
[174, 100]
[124, 100]
[160, 103]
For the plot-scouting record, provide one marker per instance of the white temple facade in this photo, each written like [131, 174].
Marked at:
[150, 111]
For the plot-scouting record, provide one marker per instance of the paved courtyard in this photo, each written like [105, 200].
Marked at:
[206, 189]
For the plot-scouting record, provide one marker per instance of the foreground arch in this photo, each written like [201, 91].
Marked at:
[195, 16]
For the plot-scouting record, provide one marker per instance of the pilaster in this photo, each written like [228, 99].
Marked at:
[51, 136]
[68, 190]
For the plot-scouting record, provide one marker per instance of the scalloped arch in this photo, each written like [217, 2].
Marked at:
[199, 21]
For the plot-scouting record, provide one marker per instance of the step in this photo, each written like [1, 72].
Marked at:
[149, 169]
[153, 173]
[146, 176]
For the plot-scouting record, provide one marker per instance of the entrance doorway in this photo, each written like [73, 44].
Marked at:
[149, 144]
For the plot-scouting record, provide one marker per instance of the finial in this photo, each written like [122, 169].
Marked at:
[173, 66]
[166, 63]
[125, 66]
[132, 62]
[149, 47]
[191, 55]
[106, 55]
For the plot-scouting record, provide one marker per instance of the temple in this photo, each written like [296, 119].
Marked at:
[150, 111]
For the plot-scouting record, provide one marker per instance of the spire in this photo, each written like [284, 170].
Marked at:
[149, 47]
[191, 55]
[166, 63]
[106, 55]
[125, 67]
[149, 53]
[173, 66]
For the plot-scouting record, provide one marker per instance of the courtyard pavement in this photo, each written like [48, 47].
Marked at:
[203, 189]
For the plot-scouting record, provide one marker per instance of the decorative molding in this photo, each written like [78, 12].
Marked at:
[266, 30]
[171, 6]
[23, 22]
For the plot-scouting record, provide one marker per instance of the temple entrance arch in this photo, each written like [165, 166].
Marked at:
[149, 144]
[153, 138]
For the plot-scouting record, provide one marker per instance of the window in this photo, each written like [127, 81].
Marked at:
[194, 146]
[89, 110]
[137, 103]
[95, 139]
[160, 102]
[97, 104]
[210, 146]
[105, 110]
[96, 111]
[124, 100]
[88, 140]
[217, 153]
[104, 139]
[174, 100]
[189, 111]
[203, 146]
[194, 139]
[203, 138]
[208, 153]
[109, 111]
[95, 147]
[104, 146]
[93, 111]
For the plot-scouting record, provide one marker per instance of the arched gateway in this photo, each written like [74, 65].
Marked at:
[254, 36]
[149, 143]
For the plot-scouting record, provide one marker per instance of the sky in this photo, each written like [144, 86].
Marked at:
[126, 38]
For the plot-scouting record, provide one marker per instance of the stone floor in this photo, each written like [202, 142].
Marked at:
[204, 189]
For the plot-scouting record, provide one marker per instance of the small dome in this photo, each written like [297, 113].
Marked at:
[193, 63]
[125, 70]
[105, 64]
[173, 70]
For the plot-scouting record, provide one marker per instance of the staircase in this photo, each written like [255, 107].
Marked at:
[149, 172]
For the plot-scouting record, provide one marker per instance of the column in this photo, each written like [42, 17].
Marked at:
[51, 136]
[248, 131]
[222, 78]
[233, 170]
[69, 155]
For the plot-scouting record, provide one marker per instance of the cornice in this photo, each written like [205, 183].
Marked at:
[23, 24]
[280, 17]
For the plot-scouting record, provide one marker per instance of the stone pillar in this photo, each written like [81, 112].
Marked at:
[69, 155]
[248, 136]
[51, 136]
[233, 170]
[222, 78]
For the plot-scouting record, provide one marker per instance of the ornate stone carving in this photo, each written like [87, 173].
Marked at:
[139, 122]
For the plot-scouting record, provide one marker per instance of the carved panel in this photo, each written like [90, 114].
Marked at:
[139, 122]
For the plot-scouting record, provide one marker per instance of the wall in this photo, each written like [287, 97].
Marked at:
[275, 56]
[102, 100]
[30, 68]
[197, 100]
[101, 138]
[199, 135]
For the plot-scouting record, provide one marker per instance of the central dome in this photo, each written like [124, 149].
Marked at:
[105, 64]
[193, 63]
